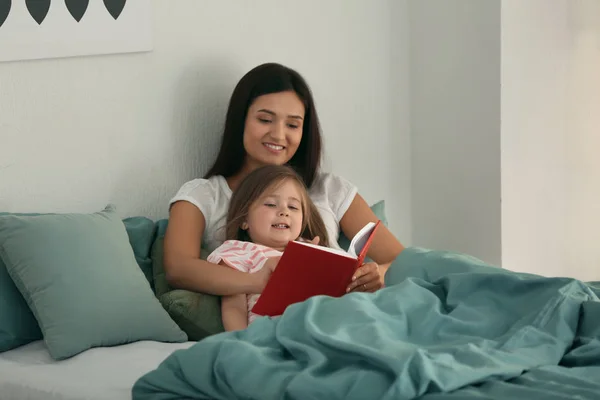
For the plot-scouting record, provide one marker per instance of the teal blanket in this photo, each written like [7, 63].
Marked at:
[447, 326]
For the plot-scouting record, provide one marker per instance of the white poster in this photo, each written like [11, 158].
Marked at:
[35, 29]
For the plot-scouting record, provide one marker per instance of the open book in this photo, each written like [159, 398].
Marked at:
[307, 270]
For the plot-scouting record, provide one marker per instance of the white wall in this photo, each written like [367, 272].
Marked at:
[78, 133]
[410, 114]
[455, 125]
[505, 132]
[583, 228]
[400, 135]
[551, 137]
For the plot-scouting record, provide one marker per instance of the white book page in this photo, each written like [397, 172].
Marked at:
[328, 249]
[360, 239]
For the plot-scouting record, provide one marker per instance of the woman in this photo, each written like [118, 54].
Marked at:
[271, 119]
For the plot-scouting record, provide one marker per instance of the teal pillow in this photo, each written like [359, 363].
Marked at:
[161, 227]
[142, 232]
[79, 277]
[17, 323]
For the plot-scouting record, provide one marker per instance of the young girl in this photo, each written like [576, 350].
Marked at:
[270, 208]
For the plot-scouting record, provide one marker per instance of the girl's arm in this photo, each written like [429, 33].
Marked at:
[234, 312]
[185, 270]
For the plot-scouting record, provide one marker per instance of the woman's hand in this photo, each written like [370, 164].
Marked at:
[368, 278]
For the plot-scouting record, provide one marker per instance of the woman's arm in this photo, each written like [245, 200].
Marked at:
[185, 270]
[234, 312]
[384, 248]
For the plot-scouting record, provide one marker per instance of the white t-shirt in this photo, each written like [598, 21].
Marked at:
[330, 193]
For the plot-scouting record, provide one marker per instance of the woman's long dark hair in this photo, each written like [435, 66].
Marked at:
[266, 79]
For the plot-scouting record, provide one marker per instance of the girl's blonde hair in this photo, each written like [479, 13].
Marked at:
[253, 187]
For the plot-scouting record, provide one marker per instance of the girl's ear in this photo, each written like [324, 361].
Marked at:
[244, 226]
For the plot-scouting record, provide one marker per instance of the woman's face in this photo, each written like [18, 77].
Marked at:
[273, 129]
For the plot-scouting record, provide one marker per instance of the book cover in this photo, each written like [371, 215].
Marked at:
[307, 270]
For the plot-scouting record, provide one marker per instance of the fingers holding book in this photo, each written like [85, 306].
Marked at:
[368, 278]
[271, 263]
[314, 241]
[264, 274]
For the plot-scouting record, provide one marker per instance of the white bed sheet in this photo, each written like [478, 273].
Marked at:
[29, 373]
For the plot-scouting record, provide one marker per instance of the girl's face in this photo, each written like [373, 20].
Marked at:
[273, 129]
[276, 217]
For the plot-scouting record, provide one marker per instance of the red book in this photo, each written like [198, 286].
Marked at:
[307, 270]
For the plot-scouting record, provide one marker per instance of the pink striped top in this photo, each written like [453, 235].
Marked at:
[246, 257]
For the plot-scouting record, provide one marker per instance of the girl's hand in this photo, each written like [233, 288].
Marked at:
[368, 278]
[262, 277]
[271, 264]
[314, 241]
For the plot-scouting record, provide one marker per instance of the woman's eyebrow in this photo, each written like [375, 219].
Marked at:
[273, 114]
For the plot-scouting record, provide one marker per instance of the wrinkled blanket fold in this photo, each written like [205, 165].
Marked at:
[446, 326]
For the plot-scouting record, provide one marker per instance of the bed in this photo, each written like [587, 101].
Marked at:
[446, 326]
[107, 373]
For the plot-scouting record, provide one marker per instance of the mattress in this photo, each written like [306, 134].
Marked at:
[29, 373]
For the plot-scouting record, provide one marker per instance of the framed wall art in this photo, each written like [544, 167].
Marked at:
[36, 29]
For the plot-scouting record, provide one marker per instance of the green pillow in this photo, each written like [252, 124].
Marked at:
[78, 274]
[199, 314]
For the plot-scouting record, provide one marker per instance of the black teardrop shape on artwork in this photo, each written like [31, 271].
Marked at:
[38, 9]
[4, 10]
[115, 7]
[77, 8]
